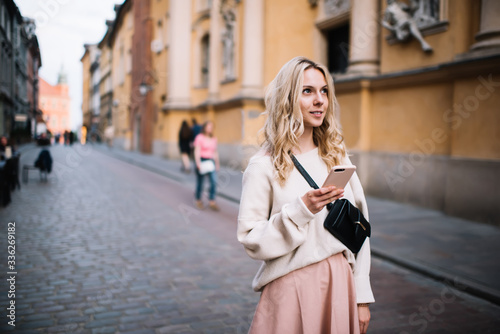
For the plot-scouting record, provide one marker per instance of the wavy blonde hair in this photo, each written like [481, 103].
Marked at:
[284, 124]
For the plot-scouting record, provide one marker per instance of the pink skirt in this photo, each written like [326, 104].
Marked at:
[316, 299]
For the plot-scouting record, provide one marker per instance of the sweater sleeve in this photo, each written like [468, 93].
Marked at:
[263, 235]
[361, 268]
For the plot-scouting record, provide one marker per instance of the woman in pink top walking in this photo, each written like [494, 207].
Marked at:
[205, 150]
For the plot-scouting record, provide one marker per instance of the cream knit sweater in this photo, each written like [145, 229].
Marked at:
[275, 226]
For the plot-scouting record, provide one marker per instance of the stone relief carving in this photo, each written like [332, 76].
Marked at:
[228, 13]
[30, 27]
[403, 20]
[333, 7]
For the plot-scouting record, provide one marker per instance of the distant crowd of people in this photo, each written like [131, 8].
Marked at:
[68, 137]
[197, 142]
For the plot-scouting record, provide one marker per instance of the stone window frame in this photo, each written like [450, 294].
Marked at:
[200, 31]
[236, 50]
[433, 28]
[326, 21]
[128, 61]
[121, 61]
[204, 59]
[201, 82]
[159, 42]
[441, 25]
[203, 6]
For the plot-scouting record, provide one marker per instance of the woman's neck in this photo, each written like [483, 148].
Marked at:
[306, 142]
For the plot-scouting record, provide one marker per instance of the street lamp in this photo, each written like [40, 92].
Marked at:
[144, 88]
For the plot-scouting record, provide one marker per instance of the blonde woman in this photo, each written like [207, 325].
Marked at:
[309, 281]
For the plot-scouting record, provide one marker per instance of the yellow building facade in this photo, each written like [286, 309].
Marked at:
[120, 43]
[91, 95]
[86, 110]
[200, 73]
[417, 82]
[106, 128]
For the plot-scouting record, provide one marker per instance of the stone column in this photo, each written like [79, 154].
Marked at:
[179, 55]
[364, 39]
[253, 49]
[215, 63]
[489, 32]
[365, 113]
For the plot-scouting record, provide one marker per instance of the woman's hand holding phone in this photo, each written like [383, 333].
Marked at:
[332, 189]
[316, 199]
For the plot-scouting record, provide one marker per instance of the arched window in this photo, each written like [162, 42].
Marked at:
[205, 59]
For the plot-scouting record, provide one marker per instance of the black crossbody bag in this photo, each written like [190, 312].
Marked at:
[344, 221]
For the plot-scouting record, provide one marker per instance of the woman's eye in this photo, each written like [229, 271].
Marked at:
[306, 91]
[324, 91]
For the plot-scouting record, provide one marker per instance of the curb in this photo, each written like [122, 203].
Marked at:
[467, 286]
[463, 284]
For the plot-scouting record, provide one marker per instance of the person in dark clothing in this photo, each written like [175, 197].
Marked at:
[44, 162]
[185, 137]
[6, 149]
[196, 128]
[3, 143]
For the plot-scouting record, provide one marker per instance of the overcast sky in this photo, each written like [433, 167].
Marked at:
[63, 26]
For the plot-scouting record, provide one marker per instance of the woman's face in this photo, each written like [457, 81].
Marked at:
[314, 98]
[209, 128]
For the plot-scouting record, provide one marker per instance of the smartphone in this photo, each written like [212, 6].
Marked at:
[339, 176]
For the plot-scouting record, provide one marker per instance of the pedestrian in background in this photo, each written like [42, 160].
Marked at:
[310, 281]
[4, 143]
[206, 158]
[185, 136]
[195, 130]
[6, 148]
[66, 137]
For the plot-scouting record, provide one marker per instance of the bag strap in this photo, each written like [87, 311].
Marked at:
[304, 173]
[306, 176]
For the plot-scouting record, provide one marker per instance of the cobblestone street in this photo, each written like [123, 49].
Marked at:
[106, 247]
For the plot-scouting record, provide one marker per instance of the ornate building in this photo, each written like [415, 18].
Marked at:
[417, 82]
[90, 94]
[34, 62]
[55, 104]
[120, 41]
[19, 64]
[105, 110]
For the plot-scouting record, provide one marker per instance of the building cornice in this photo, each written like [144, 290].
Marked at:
[457, 69]
[236, 102]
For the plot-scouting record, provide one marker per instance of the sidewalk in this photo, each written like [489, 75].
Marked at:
[458, 252]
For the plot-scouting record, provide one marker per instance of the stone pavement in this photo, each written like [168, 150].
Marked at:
[106, 247]
[427, 241]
